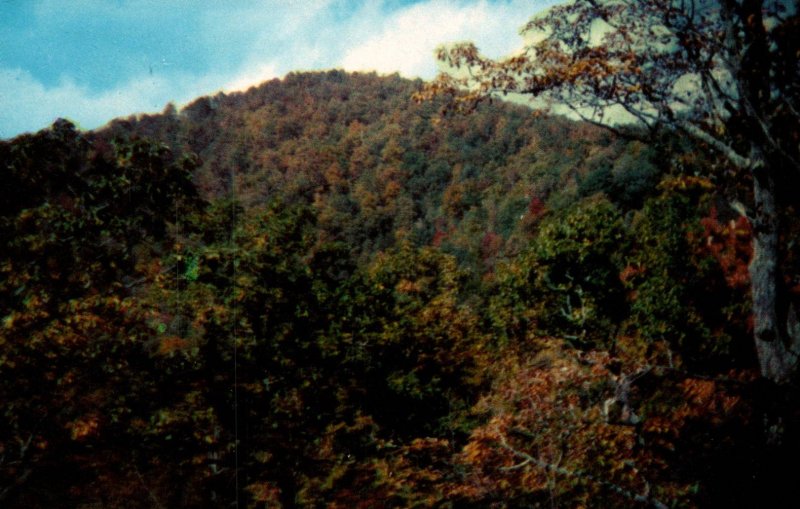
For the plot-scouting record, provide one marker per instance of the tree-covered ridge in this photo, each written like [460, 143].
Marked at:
[319, 293]
[377, 167]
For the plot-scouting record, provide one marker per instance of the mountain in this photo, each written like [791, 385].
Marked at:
[374, 165]
[322, 293]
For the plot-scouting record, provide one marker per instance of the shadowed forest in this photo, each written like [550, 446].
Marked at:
[322, 292]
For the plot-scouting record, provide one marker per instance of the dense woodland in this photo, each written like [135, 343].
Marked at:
[323, 293]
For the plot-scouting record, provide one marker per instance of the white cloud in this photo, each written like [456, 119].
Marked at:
[406, 42]
[252, 75]
[28, 105]
[36, 106]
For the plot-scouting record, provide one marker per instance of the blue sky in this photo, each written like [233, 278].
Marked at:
[93, 60]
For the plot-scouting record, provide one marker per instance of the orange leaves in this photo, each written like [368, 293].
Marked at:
[699, 392]
[708, 400]
[265, 493]
[407, 286]
[546, 409]
[415, 473]
[83, 428]
[547, 431]
[660, 425]
[687, 182]
[171, 344]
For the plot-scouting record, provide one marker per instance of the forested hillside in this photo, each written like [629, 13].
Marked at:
[376, 167]
[323, 293]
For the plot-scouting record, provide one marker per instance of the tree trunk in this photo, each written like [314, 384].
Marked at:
[775, 347]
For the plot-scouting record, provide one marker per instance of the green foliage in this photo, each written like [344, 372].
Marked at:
[429, 345]
[632, 178]
[567, 283]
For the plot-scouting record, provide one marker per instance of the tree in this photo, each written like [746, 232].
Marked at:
[722, 72]
[82, 224]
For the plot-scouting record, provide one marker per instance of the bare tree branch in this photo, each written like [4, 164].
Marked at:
[527, 459]
[734, 157]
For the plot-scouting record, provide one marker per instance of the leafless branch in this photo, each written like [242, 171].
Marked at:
[734, 157]
[527, 459]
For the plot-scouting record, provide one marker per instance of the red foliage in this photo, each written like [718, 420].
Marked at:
[731, 245]
[490, 246]
[536, 207]
[442, 233]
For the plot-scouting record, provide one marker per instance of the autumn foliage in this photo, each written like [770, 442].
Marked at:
[319, 293]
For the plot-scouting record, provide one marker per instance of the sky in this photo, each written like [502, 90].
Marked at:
[94, 60]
